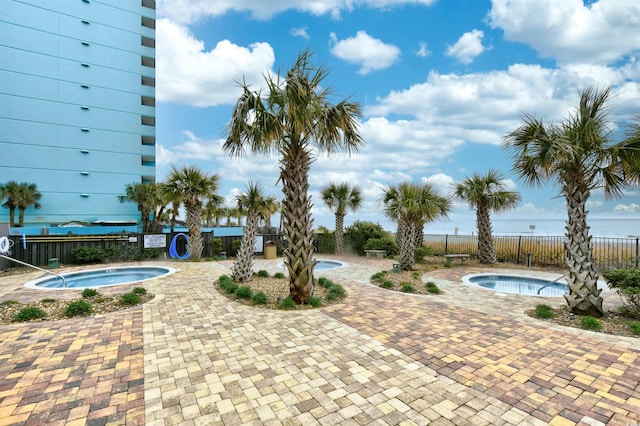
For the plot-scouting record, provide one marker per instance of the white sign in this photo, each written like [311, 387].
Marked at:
[155, 241]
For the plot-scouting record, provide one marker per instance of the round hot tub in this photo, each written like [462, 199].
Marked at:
[104, 277]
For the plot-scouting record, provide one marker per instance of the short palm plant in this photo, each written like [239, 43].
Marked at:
[340, 197]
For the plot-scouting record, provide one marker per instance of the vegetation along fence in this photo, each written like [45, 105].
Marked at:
[532, 250]
[608, 253]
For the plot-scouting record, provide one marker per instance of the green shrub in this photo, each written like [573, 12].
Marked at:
[415, 275]
[544, 311]
[235, 246]
[407, 288]
[336, 291]
[325, 282]
[432, 288]
[635, 328]
[139, 290]
[262, 273]
[278, 275]
[590, 323]
[84, 255]
[130, 299]
[259, 298]
[230, 288]
[287, 303]
[9, 302]
[384, 243]
[244, 292]
[627, 283]
[379, 275]
[29, 313]
[357, 235]
[421, 252]
[77, 308]
[48, 300]
[215, 246]
[384, 283]
[89, 292]
[325, 242]
[315, 302]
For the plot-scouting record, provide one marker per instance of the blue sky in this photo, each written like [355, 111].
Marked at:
[441, 82]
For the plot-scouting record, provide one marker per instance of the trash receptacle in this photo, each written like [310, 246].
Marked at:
[54, 263]
[270, 250]
[223, 255]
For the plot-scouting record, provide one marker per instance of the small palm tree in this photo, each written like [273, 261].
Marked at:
[149, 201]
[171, 195]
[293, 116]
[194, 187]
[340, 197]
[20, 196]
[486, 193]
[254, 202]
[580, 155]
[412, 205]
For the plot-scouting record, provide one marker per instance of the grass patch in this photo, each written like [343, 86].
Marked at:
[130, 299]
[635, 328]
[287, 303]
[432, 288]
[89, 292]
[260, 298]
[244, 292]
[78, 308]
[325, 282]
[29, 313]
[590, 323]
[262, 273]
[544, 311]
[315, 302]
[48, 300]
[139, 290]
[384, 283]
[278, 275]
[407, 288]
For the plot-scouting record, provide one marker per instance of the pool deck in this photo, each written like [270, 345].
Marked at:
[192, 357]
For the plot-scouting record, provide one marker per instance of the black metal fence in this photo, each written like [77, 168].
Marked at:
[538, 251]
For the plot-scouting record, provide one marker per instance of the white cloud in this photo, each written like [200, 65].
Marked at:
[423, 51]
[190, 11]
[627, 208]
[300, 32]
[370, 53]
[441, 182]
[571, 31]
[188, 74]
[468, 46]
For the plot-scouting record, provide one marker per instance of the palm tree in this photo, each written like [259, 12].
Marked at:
[254, 202]
[580, 154]
[148, 199]
[171, 195]
[19, 196]
[293, 117]
[194, 186]
[339, 197]
[412, 205]
[486, 193]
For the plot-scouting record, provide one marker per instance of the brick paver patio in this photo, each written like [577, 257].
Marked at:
[192, 357]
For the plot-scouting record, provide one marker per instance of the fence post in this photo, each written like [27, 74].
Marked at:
[636, 252]
[519, 244]
[446, 244]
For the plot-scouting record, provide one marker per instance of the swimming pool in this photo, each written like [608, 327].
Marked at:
[104, 277]
[518, 284]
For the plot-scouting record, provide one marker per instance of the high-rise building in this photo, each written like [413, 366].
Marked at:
[77, 105]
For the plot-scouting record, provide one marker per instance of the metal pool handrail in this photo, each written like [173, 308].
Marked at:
[551, 282]
[64, 282]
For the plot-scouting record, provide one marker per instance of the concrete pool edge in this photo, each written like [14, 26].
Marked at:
[35, 284]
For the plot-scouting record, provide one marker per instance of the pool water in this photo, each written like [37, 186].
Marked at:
[101, 277]
[517, 284]
[322, 265]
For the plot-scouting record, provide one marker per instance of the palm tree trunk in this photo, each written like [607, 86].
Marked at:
[243, 267]
[339, 234]
[194, 221]
[21, 217]
[407, 233]
[584, 295]
[12, 217]
[486, 253]
[297, 222]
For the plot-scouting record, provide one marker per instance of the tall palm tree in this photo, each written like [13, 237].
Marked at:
[10, 191]
[20, 196]
[580, 154]
[340, 197]
[290, 119]
[194, 187]
[170, 193]
[148, 200]
[486, 193]
[411, 205]
[273, 206]
[254, 202]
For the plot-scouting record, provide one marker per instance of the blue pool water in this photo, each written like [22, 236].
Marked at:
[323, 265]
[517, 284]
[101, 277]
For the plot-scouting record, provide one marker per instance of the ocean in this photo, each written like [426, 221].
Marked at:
[600, 227]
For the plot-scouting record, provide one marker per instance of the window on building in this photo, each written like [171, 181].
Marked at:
[151, 4]
[148, 22]
[148, 62]
[148, 140]
[148, 81]
[148, 101]
[148, 42]
[148, 121]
